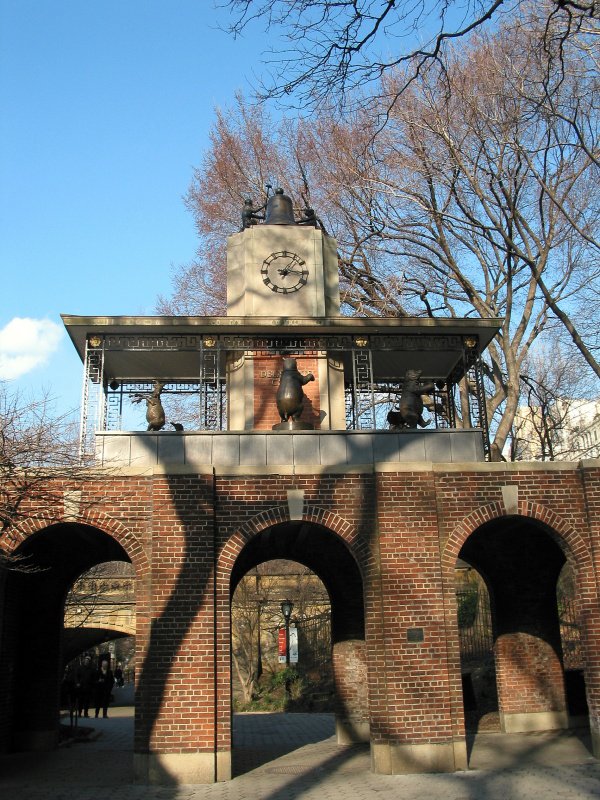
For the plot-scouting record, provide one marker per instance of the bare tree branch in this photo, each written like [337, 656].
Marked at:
[335, 47]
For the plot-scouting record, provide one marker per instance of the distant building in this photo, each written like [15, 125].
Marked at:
[565, 430]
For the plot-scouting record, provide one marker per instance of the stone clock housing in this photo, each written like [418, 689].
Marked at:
[286, 270]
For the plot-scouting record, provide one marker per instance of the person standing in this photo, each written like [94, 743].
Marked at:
[103, 684]
[68, 693]
[84, 681]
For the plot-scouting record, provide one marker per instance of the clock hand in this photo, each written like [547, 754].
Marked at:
[284, 271]
[288, 271]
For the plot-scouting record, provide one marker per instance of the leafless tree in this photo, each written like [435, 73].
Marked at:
[489, 209]
[256, 615]
[335, 52]
[473, 200]
[555, 398]
[40, 469]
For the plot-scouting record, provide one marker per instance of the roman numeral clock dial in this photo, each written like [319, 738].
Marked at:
[284, 272]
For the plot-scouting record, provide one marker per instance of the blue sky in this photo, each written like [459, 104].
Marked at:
[106, 109]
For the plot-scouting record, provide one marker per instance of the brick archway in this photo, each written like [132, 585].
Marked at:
[347, 639]
[33, 610]
[576, 547]
[104, 523]
[279, 514]
[522, 640]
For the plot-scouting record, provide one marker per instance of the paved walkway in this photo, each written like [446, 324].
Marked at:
[287, 756]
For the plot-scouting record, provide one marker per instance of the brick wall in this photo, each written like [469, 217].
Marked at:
[403, 532]
[350, 675]
[409, 688]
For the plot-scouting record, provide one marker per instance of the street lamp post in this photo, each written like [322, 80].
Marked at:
[286, 610]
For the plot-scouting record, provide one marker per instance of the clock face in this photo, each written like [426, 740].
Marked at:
[284, 272]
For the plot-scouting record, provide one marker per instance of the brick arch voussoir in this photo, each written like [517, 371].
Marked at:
[576, 545]
[123, 535]
[275, 516]
[95, 519]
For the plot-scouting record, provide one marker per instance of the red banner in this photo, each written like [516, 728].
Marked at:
[281, 642]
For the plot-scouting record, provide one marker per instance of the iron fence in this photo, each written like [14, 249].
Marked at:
[570, 633]
[314, 642]
[475, 627]
[474, 624]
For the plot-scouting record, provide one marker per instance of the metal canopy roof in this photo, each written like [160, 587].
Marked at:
[182, 364]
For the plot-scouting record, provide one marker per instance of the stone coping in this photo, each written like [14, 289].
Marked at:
[376, 467]
[279, 451]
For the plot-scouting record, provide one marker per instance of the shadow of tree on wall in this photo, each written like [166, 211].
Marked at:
[184, 542]
[185, 669]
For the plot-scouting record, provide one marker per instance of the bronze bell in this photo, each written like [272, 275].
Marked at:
[279, 209]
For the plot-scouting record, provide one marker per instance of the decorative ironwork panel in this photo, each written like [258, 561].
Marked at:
[284, 344]
[92, 397]
[364, 394]
[158, 342]
[570, 631]
[441, 407]
[213, 403]
[114, 411]
[477, 402]
[407, 342]
[474, 624]
[314, 634]
[122, 414]
[385, 396]
[193, 342]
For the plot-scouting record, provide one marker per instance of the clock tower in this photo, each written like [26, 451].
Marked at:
[283, 272]
[282, 267]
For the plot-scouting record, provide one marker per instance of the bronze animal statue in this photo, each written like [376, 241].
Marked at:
[155, 413]
[290, 397]
[408, 411]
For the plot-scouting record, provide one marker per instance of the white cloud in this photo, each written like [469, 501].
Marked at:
[26, 344]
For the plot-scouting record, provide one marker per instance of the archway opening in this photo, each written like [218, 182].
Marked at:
[476, 639]
[99, 626]
[100, 613]
[520, 562]
[33, 631]
[279, 663]
[311, 566]
[572, 647]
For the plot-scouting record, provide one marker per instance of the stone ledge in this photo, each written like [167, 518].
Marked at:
[253, 451]
[534, 721]
[391, 758]
[519, 466]
[181, 768]
[473, 468]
